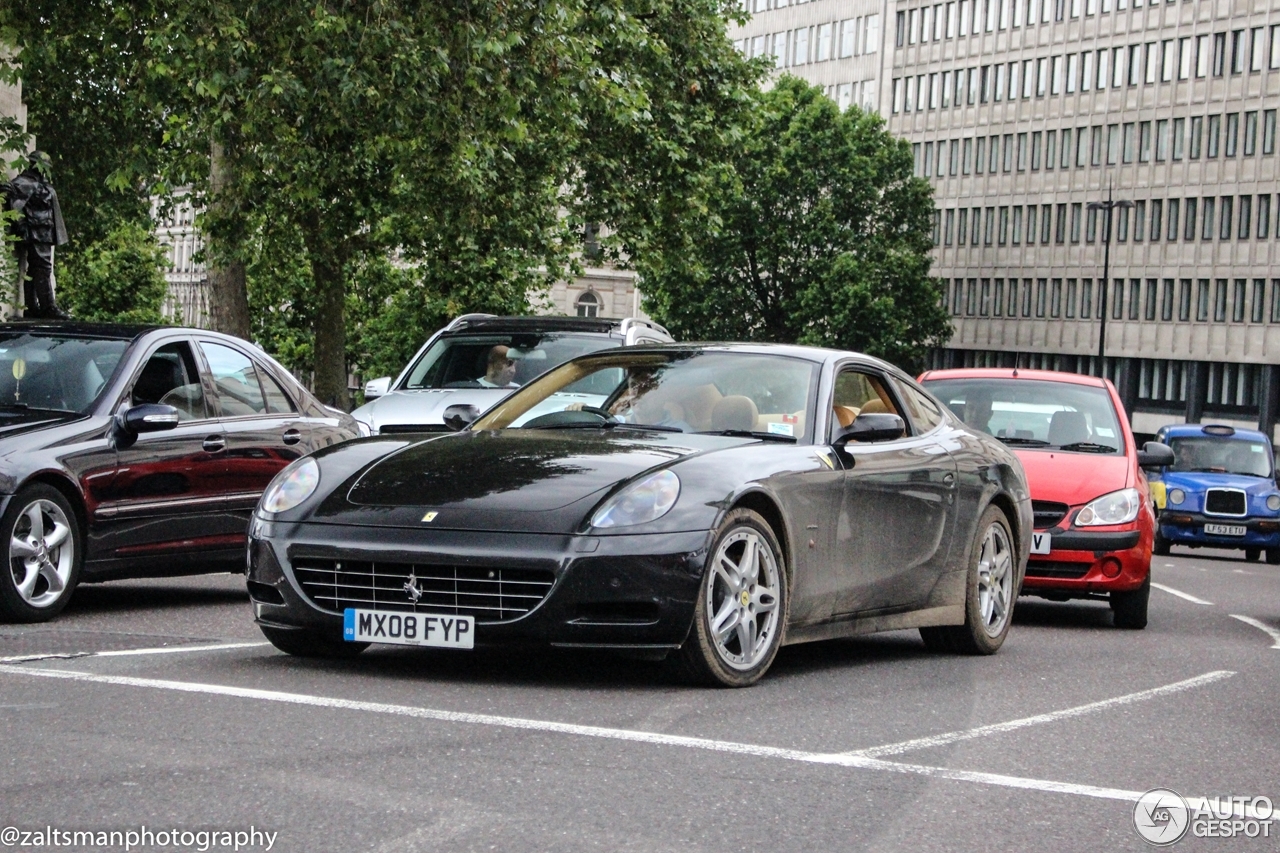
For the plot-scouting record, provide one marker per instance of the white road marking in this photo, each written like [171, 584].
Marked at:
[161, 650]
[840, 760]
[1040, 719]
[1261, 626]
[1180, 594]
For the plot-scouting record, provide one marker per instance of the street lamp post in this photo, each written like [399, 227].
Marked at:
[1106, 207]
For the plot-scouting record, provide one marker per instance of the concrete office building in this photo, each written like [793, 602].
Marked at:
[1022, 113]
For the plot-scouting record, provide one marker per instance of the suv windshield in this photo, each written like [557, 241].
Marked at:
[496, 359]
[1219, 456]
[55, 372]
[1035, 413]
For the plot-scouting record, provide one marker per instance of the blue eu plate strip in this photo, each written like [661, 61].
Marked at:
[349, 625]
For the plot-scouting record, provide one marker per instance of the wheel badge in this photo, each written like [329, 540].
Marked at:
[745, 597]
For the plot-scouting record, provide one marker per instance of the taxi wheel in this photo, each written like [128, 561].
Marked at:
[1273, 556]
[1129, 609]
[311, 644]
[1252, 554]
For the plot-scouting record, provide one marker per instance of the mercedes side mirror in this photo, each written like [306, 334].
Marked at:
[460, 415]
[148, 417]
[376, 388]
[1155, 455]
[875, 426]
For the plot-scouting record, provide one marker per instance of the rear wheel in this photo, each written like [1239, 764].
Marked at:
[311, 644]
[1129, 609]
[990, 593]
[741, 611]
[1252, 554]
[45, 555]
[1273, 556]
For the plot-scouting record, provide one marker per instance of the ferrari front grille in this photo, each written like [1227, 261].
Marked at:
[1225, 502]
[488, 594]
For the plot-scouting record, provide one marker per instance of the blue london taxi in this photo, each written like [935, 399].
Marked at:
[1220, 492]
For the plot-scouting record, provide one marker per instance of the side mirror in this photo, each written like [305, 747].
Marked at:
[460, 415]
[1155, 455]
[148, 417]
[875, 426]
[375, 388]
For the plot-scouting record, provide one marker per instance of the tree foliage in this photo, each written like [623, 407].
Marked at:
[118, 278]
[817, 234]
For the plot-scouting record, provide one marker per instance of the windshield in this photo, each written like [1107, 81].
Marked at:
[1035, 413]
[51, 372]
[1230, 456]
[498, 360]
[684, 391]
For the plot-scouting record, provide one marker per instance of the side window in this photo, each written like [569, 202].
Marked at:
[277, 400]
[923, 411]
[169, 377]
[234, 380]
[858, 393]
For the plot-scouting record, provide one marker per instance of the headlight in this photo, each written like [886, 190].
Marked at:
[645, 500]
[1177, 496]
[291, 486]
[1116, 508]
[1273, 503]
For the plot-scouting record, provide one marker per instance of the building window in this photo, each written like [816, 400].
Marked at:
[1250, 133]
[1135, 297]
[1184, 299]
[984, 307]
[1237, 51]
[587, 304]
[1129, 142]
[997, 303]
[1219, 53]
[1071, 298]
[1017, 225]
[1086, 298]
[949, 223]
[1122, 225]
[1031, 224]
[1166, 304]
[1026, 297]
[1139, 220]
[1206, 219]
[1258, 305]
[1245, 221]
[1157, 212]
[1233, 134]
[1003, 236]
[1046, 225]
[1202, 300]
[1172, 233]
[1076, 213]
[1189, 230]
[1275, 300]
[1091, 225]
[1055, 298]
[962, 223]
[1220, 301]
[1041, 285]
[1224, 222]
[1117, 299]
[1113, 144]
[1264, 216]
[971, 303]
[1060, 225]
[1162, 140]
[1269, 132]
[1050, 146]
[1179, 138]
[1238, 303]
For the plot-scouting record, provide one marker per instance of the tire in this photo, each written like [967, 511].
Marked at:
[311, 644]
[1160, 547]
[990, 593]
[1129, 609]
[1273, 556]
[740, 615]
[1252, 554]
[45, 546]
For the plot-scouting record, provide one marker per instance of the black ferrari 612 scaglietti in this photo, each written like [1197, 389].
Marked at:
[715, 500]
[135, 451]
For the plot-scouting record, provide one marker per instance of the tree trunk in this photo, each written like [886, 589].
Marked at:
[228, 292]
[330, 323]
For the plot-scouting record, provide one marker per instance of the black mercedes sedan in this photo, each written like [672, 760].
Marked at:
[130, 451]
[715, 501]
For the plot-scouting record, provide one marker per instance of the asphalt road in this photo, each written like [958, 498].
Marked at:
[869, 744]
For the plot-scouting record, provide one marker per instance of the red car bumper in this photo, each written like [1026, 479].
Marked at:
[1080, 562]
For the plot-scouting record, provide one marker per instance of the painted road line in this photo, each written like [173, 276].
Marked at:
[1040, 719]
[161, 650]
[1261, 626]
[627, 735]
[1180, 594]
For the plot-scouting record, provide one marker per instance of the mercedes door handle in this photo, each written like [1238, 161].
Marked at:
[949, 479]
[214, 443]
[292, 436]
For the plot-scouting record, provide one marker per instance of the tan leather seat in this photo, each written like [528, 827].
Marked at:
[734, 412]
[874, 406]
[844, 414]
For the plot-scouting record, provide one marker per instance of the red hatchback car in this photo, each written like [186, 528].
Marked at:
[1094, 523]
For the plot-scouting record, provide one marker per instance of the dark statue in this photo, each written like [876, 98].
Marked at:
[39, 228]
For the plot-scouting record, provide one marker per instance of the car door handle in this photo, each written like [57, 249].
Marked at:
[214, 443]
[949, 479]
[291, 436]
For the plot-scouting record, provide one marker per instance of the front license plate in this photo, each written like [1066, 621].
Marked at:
[1226, 529]
[1040, 543]
[409, 629]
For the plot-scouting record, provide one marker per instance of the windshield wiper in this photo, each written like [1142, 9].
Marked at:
[1025, 442]
[629, 425]
[1088, 447]
[747, 433]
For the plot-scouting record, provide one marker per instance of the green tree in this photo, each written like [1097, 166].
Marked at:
[118, 278]
[817, 234]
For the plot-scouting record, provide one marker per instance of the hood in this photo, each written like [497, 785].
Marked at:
[16, 422]
[1194, 482]
[426, 406]
[1074, 478]
[504, 480]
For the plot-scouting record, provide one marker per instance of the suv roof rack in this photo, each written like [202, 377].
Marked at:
[466, 320]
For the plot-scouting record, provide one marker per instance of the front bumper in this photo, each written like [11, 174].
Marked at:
[622, 591]
[1187, 528]
[1083, 562]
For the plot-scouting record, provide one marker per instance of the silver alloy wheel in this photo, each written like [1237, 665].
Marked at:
[995, 579]
[41, 553]
[742, 592]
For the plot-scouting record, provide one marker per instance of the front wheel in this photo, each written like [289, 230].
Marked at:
[1129, 609]
[1252, 554]
[311, 644]
[1161, 545]
[45, 555]
[741, 611]
[990, 593]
